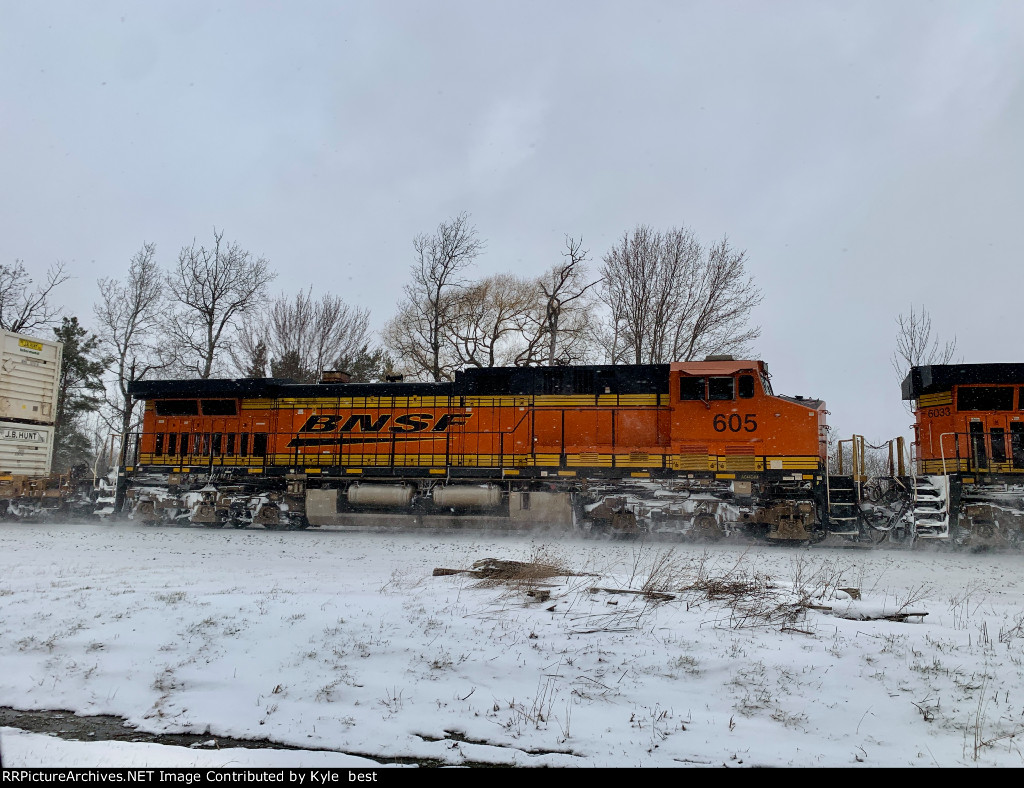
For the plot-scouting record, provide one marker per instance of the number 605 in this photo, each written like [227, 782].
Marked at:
[735, 423]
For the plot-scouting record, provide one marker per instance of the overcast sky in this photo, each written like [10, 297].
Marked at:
[866, 155]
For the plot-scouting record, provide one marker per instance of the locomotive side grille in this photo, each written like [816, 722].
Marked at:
[692, 457]
[741, 462]
[740, 457]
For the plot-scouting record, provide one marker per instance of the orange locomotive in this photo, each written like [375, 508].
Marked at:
[968, 452]
[702, 447]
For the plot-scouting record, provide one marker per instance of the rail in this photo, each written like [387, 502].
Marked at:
[992, 451]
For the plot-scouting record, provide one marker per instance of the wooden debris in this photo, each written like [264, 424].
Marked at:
[496, 569]
[646, 594]
[857, 615]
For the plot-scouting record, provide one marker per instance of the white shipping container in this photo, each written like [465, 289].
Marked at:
[29, 378]
[25, 449]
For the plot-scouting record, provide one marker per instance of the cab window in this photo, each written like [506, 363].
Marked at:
[746, 386]
[219, 407]
[177, 407]
[720, 388]
[692, 389]
[985, 398]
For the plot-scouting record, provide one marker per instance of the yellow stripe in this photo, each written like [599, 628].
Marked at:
[438, 462]
[693, 462]
[542, 400]
[628, 399]
[938, 398]
[257, 404]
[480, 402]
[793, 463]
[554, 400]
[344, 403]
[589, 460]
[638, 460]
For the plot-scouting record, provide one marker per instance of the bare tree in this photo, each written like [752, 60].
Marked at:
[561, 325]
[300, 337]
[214, 289]
[670, 298]
[417, 333]
[24, 308]
[128, 317]
[488, 325]
[915, 345]
[719, 299]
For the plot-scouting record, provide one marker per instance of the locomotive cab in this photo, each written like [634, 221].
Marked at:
[968, 452]
[726, 410]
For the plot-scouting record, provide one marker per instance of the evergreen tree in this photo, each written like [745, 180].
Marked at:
[258, 361]
[366, 365]
[80, 392]
[290, 366]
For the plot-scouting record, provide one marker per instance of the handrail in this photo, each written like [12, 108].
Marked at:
[942, 450]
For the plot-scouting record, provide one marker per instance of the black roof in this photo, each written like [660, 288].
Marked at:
[942, 377]
[275, 387]
[590, 379]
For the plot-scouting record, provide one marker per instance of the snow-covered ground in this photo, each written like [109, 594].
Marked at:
[346, 642]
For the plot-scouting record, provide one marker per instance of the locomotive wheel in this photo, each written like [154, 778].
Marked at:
[960, 536]
[899, 535]
[706, 528]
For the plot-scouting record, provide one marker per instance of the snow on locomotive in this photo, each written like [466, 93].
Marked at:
[699, 448]
[968, 452]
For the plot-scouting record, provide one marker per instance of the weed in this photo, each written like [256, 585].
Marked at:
[393, 700]
[326, 693]
[1015, 631]
[977, 729]
[686, 664]
[960, 604]
[790, 720]
[442, 661]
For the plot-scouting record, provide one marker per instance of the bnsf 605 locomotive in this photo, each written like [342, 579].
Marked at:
[702, 448]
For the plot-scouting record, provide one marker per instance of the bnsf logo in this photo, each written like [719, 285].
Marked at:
[409, 422]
